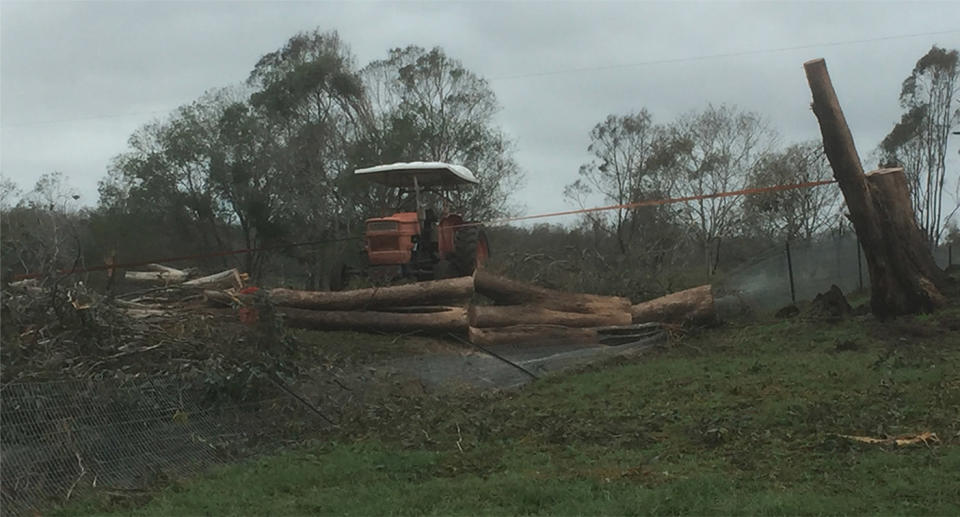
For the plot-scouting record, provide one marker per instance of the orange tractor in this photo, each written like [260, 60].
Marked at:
[423, 244]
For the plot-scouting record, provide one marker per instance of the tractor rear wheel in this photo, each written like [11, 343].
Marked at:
[470, 249]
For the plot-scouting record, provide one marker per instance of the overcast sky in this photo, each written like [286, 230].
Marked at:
[76, 78]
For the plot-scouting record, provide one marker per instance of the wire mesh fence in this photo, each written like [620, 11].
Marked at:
[63, 437]
[764, 283]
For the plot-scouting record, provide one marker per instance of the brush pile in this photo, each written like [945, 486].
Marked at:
[55, 330]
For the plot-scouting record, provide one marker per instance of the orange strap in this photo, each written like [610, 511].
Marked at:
[667, 201]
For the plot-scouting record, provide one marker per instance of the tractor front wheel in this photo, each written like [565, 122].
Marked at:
[470, 249]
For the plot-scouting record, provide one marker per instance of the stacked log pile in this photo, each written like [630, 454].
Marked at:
[521, 313]
[434, 307]
[526, 313]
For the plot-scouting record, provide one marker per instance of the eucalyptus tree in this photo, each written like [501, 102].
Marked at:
[716, 150]
[918, 142]
[428, 107]
[631, 163]
[160, 190]
[796, 213]
[311, 104]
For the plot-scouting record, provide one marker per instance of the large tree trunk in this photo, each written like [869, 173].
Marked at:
[510, 292]
[903, 276]
[434, 292]
[690, 307]
[437, 320]
[483, 316]
[532, 334]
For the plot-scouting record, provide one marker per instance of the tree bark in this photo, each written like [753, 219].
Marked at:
[531, 334]
[433, 292]
[437, 321]
[510, 292]
[903, 276]
[156, 276]
[483, 316]
[690, 307]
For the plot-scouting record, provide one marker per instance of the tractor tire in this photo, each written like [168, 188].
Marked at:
[470, 249]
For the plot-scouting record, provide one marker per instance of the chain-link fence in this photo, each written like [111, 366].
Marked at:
[60, 438]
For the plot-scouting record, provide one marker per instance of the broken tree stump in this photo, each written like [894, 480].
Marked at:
[511, 292]
[438, 320]
[485, 316]
[904, 278]
[689, 307]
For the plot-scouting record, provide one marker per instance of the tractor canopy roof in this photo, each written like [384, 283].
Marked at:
[428, 174]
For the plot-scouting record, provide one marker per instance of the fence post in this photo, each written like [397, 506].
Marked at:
[793, 292]
[949, 255]
[859, 265]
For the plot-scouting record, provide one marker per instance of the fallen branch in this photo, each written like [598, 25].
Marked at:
[900, 441]
[433, 292]
[228, 278]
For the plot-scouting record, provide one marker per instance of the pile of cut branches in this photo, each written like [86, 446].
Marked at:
[55, 330]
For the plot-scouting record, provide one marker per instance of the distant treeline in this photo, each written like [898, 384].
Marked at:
[270, 161]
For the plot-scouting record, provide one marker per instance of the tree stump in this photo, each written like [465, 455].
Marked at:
[904, 278]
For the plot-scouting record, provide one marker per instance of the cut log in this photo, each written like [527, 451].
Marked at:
[228, 278]
[903, 276]
[160, 268]
[158, 277]
[531, 334]
[434, 292]
[511, 292]
[485, 316]
[690, 307]
[451, 319]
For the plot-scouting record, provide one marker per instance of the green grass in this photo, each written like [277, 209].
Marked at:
[742, 419]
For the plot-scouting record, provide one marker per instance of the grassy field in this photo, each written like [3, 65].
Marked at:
[741, 419]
